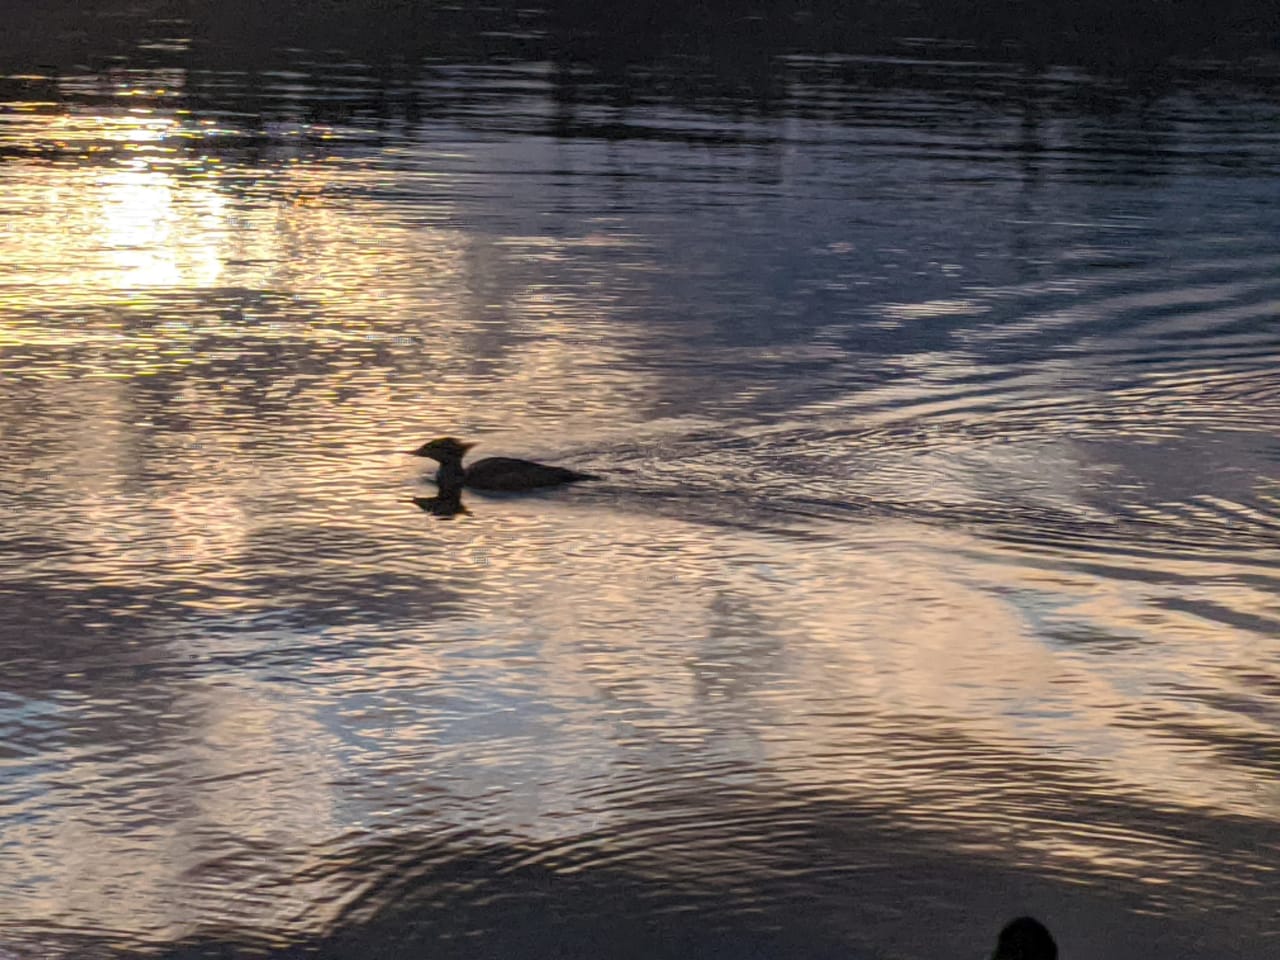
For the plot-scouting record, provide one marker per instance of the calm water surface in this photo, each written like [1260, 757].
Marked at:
[933, 578]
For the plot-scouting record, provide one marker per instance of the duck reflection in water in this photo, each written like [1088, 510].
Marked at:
[439, 506]
[494, 474]
[1025, 938]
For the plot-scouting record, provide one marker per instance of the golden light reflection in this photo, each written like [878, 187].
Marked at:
[137, 227]
[127, 225]
[153, 218]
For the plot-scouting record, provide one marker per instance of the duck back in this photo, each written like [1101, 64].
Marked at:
[508, 473]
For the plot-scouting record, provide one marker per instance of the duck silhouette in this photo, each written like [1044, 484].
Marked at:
[506, 474]
[1025, 938]
[447, 505]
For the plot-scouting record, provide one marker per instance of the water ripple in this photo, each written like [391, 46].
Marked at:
[931, 574]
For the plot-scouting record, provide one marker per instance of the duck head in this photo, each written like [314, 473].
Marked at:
[442, 449]
[1025, 938]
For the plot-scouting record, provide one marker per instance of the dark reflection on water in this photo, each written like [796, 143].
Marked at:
[667, 887]
[442, 505]
[932, 577]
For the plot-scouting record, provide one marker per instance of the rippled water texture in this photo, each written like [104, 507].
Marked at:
[932, 578]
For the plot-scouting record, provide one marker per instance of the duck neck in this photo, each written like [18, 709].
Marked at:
[450, 476]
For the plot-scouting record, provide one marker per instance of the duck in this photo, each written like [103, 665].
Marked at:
[506, 474]
[1025, 938]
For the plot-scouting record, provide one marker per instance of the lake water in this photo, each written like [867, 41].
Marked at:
[935, 572]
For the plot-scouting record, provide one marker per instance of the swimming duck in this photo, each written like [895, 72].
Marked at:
[491, 473]
[1025, 938]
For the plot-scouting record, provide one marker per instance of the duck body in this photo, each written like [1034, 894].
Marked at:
[505, 474]
[508, 473]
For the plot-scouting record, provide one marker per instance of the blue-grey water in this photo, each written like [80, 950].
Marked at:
[932, 577]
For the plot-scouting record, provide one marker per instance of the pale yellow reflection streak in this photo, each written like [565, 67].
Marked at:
[128, 225]
[137, 227]
[154, 217]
